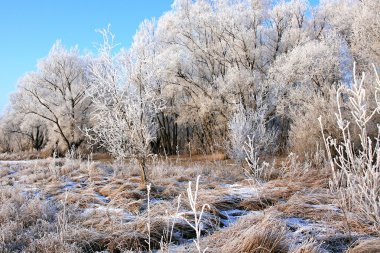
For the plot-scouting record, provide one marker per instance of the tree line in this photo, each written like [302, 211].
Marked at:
[207, 76]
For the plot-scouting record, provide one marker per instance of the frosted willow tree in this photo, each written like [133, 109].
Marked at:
[307, 71]
[358, 23]
[124, 110]
[204, 43]
[11, 138]
[24, 131]
[217, 54]
[55, 93]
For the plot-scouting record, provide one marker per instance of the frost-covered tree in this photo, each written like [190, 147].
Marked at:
[208, 46]
[55, 93]
[35, 129]
[30, 128]
[358, 23]
[204, 60]
[146, 74]
[125, 104]
[217, 54]
[21, 132]
[307, 71]
[10, 140]
[5, 142]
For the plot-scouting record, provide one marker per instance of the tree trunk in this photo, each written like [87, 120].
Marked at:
[142, 166]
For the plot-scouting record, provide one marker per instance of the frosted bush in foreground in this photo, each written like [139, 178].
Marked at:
[356, 169]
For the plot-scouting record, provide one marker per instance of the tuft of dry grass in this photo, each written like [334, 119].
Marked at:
[366, 246]
[308, 247]
[267, 236]
[51, 243]
[313, 205]
[257, 204]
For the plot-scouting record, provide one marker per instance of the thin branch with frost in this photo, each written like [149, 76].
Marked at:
[197, 225]
[355, 170]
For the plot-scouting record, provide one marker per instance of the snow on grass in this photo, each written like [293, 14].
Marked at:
[69, 185]
[102, 198]
[5, 162]
[329, 207]
[233, 215]
[126, 216]
[241, 190]
[304, 228]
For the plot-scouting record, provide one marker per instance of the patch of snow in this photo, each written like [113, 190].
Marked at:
[296, 222]
[243, 192]
[239, 190]
[303, 229]
[233, 215]
[69, 185]
[155, 201]
[31, 192]
[102, 198]
[231, 185]
[328, 207]
[2, 162]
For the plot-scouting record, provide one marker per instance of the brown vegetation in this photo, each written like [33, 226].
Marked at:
[65, 205]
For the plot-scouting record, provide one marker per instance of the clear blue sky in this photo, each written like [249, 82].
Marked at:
[30, 27]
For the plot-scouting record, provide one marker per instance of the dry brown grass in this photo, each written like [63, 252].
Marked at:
[366, 246]
[51, 243]
[29, 224]
[106, 208]
[311, 205]
[257, 204]
[27, 155]
[266, 236]
[308, 247]
[221, 238]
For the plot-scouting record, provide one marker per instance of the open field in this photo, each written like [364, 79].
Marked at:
[67, 205]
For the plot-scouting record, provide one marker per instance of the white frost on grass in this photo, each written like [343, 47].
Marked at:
[328, 207]
[5, 162]
[241, 190]
[304, 229]
[233, 215]
[69, 185]
[111, 211]
[102, 198]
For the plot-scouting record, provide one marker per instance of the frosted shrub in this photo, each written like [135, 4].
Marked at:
[356, 168]
[125, 104]
[256, 168]
[240, 127]
[248, 131]
[250, 137]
